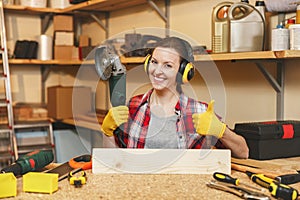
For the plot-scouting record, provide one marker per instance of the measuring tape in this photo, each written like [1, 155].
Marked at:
[78, 179]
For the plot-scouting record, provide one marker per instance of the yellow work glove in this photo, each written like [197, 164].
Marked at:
[114, 118]
[207, 123]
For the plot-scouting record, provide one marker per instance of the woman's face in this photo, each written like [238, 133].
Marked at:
[163, 68]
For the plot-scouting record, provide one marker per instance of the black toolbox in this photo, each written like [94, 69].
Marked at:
[268, 140]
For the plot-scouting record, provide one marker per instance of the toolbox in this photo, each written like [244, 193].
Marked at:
[271, 139]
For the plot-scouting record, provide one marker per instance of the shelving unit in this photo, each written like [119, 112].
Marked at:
[259, 58]
[106, 6]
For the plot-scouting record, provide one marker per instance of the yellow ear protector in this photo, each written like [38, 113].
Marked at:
[185, 72]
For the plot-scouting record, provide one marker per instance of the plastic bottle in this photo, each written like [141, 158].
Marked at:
[261, 7]
[280, 38]
[244, 1]
[294, 36]
[290, 22]
[298, 14]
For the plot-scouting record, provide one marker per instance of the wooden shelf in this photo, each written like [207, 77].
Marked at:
[30, 10]
[104, 5]
[44, 62]
[249, 55]
[130, 60]
[93, 5]
[259, 55]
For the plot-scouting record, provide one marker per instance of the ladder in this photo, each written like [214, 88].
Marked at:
[8, 143]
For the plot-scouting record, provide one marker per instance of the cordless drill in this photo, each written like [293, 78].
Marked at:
[30, 162]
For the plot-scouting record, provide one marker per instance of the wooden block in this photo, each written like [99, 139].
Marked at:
[161, 161]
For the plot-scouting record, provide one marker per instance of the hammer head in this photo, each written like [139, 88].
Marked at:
[288, 178]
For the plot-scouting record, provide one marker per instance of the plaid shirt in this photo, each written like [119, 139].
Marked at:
[135, 130]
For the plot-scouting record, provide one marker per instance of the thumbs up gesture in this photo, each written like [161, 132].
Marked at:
[207, 123]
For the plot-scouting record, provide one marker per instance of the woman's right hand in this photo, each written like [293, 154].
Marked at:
[114, 118]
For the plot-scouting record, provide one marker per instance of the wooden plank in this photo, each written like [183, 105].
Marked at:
[160, 161]
[287, 167]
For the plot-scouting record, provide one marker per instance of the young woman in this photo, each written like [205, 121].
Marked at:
[164, 117]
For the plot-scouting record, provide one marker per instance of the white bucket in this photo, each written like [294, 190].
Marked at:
[59, 3]
[34, 3]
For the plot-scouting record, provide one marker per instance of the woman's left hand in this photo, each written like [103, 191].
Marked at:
[207, 123]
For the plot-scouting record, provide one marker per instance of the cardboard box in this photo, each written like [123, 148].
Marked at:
[63, 52]
[64, 102]
[84, 41]
[63, 38]
[63, 23]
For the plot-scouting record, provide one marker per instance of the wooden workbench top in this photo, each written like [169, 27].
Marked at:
[153, 186]
[134, 186]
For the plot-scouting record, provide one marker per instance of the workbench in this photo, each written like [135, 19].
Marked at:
[154, 186]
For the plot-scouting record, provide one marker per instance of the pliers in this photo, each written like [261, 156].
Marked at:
[239, 191]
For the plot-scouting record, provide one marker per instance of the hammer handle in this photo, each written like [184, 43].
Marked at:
[242, 168]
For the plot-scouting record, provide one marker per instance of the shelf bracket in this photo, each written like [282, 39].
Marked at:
[45, 71]
[164, 16]
[45, 22]
[277, 84]
[104, 26]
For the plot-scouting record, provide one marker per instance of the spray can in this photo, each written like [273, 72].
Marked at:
[280, 38]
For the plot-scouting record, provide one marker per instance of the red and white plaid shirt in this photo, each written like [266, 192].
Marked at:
[135, 130]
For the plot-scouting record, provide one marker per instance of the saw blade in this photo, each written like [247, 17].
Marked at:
[103, 63]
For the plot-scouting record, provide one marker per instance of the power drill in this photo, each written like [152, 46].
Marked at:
[30, 162]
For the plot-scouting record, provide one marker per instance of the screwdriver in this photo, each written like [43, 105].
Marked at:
[260, 179]
[228, 179]
[277, 190]
[283, 191]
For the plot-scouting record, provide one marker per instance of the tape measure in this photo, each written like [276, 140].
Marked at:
[78, 179]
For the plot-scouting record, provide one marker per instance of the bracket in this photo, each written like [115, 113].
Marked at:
[45, 22]
[277, 84]
[164, 16]
[45, 71]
